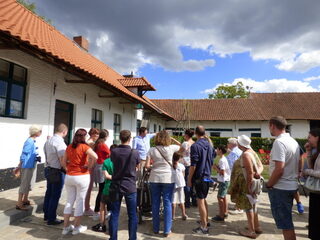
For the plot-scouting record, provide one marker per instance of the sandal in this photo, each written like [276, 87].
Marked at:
[23, 208]
[258, 231]
[247, 234]
[26, 203]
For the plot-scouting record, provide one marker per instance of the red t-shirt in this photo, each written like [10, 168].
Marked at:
[77, 160]
[103, 152]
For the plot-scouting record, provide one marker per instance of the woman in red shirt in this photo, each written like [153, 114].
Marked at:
[78, 159]
[103, 153]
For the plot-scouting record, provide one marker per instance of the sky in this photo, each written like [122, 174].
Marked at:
[186, 49]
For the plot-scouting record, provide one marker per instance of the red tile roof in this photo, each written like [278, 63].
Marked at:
[259, 106]
[137, 82]
[20, 23]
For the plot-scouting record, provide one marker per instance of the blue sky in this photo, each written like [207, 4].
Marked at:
[187, 48]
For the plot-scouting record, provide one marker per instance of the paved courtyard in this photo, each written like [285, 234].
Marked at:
[34, 228]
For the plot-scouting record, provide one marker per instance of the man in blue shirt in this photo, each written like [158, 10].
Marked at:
[235, 152]
[202, 155]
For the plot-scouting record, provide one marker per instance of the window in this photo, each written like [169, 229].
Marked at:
[154, 128]
[138, 126]
[214, 134]
[13, 82]
[116, 128]
[255, 134]
[160, 128]
[96, 118]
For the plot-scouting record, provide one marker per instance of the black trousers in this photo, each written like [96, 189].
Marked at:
[98, 199]
[314, 213]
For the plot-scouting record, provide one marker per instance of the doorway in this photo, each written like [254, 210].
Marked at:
[64, 114]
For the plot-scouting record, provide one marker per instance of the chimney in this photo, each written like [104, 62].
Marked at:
[82, 42]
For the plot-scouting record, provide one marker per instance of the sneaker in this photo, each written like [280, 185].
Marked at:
[96, 216]
[89, 212]
[217, 219]
[300, 208]
[201, 231]
[236, 212]
[79, 229]
[208, 224]
[66, 230]
[99, 228]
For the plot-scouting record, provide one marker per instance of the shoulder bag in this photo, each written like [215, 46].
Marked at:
[114, 189]
[164, 157]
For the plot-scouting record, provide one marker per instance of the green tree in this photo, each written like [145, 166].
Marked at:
[231, 91]
[32, 7]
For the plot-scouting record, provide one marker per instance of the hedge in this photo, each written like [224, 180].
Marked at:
[257, 142]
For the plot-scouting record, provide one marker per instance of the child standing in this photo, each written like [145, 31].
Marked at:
[178, 194]
[224, 181]
[107, 170]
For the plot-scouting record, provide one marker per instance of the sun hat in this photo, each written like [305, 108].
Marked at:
[244, 141]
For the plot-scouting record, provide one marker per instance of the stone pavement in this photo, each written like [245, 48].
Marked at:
[33, 227]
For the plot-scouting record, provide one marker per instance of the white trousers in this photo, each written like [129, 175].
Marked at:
[76, 187]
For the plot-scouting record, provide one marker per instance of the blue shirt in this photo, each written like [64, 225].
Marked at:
[233, 156]
[29, 154]
[202, 155]
[142, 145]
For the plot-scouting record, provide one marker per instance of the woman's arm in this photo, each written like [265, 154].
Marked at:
[92, 157]
[175, 141]
[247, 164]
[148, 162]
[107, 175]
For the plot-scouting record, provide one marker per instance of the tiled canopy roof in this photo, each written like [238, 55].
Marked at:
[141, 82]
[259, 106]
[25, 26]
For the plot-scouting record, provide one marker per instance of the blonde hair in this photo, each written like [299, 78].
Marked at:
[34, 129]
[162, 138]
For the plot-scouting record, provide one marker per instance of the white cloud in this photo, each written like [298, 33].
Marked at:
[271, 85]
[309, 79]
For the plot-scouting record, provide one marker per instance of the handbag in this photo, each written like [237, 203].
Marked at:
[53, 175]
[312, 184]
[114, 189]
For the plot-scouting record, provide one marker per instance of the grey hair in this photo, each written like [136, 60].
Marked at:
[233, 141]
[34, 129]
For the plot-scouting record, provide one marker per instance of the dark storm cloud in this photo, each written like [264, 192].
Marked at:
[127, 34]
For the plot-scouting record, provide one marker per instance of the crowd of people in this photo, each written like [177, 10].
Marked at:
[180, 174]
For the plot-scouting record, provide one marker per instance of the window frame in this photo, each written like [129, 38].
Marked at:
[94, 121]
[115, 125]
[10, 82]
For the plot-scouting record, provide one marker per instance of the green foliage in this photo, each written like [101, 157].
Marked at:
[256, 144]
[231, 91]
[32, 7]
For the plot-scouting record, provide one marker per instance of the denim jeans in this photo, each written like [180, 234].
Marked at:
[131, 202]
[52, 196]
[187, 190]
[166, 191]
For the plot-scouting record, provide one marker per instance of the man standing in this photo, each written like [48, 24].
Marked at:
[142, 143]
[282, 185]
[202, 155]
[54, 150]
[235, 152]
[125, 160]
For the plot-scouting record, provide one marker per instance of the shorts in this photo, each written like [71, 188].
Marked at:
[223, 189]
[28, 179]
[178, 195]
[202, 189]
[281, 207]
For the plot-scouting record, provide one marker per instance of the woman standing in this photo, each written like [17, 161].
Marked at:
[93, 136]
[313, 153]
[103, 153]
[162, 179]
[28, 159]
[78, 159]
[185, 149]
[245, 169]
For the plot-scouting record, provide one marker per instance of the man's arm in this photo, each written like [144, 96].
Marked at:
[134, 143]
[191, 172]
[276, 174]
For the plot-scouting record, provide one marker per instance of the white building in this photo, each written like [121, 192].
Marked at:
[234, 117]
[47, 79]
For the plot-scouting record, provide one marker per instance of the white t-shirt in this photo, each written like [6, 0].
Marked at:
[286, 149]
[161, 171]
[186, 153]
[224, 165]
[180, 182]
